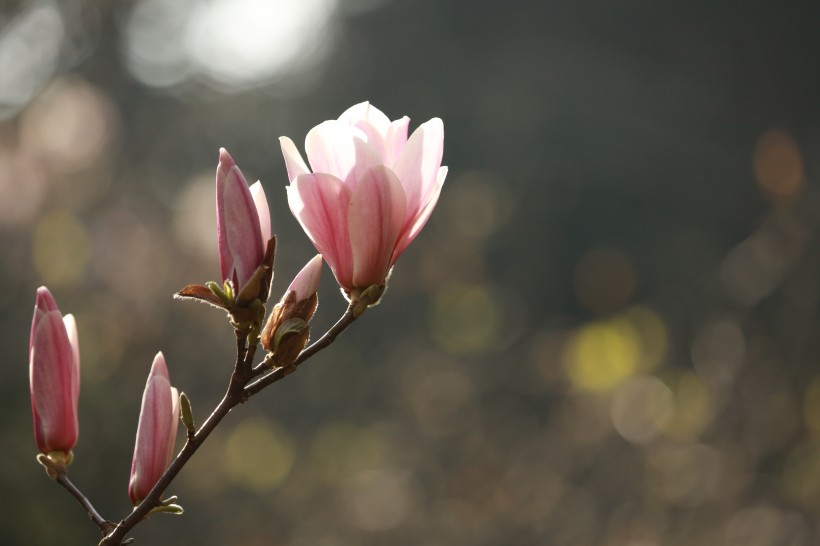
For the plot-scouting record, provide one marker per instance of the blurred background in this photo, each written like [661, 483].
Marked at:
[607, 333]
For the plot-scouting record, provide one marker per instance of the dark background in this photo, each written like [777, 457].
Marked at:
[607, 333]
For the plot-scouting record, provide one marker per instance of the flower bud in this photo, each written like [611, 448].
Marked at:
[54, 373]
[286, 332]
[156, 431]
[243, 226]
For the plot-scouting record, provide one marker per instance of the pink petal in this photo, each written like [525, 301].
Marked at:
[306, 282]
[395, 141]
[73, 338]
[371, 121]
[364, 111]
[377, 214]
[261, 203]
[43, 303]
[320, 204]
[293, 159]
[341, 150]
[52, 372]
[172, 433]
[416, 224]
[418, 165]
[239, 234]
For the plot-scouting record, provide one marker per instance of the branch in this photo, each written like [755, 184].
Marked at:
[104, 525]
[280, 373]
[233, 396]
[238, 391]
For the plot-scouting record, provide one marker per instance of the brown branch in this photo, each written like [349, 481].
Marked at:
[280, 373]
[241, 352]
[238, 391]
[233, 396]
[104, 525]
[231, 399]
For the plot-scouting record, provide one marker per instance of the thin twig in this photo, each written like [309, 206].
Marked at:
[241, 352]
[104, 525]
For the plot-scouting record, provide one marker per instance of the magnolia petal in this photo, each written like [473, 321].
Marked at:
[43, 303]
[293, 159]
[417, 223]
[377, 212]
[320, 204]
[239, 234]
[261, 202]
[51, 373]
[366, 112]
[396, 140]
[372, 122]
[172, 432]
[418, 164]
[73, 338]
[339, 149]
[306, 282]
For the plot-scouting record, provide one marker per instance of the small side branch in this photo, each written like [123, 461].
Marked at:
[104, 525]
[280, 373]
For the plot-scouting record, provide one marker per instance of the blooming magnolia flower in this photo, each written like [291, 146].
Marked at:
[54, 373]
[243, 223]
[156, 431]
[370, 191]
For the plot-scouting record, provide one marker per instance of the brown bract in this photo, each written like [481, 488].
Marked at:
[287, 332]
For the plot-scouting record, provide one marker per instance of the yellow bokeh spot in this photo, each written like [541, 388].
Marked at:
[61, 249]
[811, 406]
[259, 455]
[601, 355]
[340, 451]
[465, 319]
[693, 409]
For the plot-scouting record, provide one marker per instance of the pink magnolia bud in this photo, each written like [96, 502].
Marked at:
[306, 282]
[54, 373]
[243, 223]
[156, 431]
[370, 192]
[286, 333]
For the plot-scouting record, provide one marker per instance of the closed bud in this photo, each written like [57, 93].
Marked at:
[187, 414]
[156, 431]
[54, 373]
[243, 230]
[287, 332]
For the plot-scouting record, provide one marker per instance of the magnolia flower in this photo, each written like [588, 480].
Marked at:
[370, 191]
[243, 223]
[54, 373]
[156, 431]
